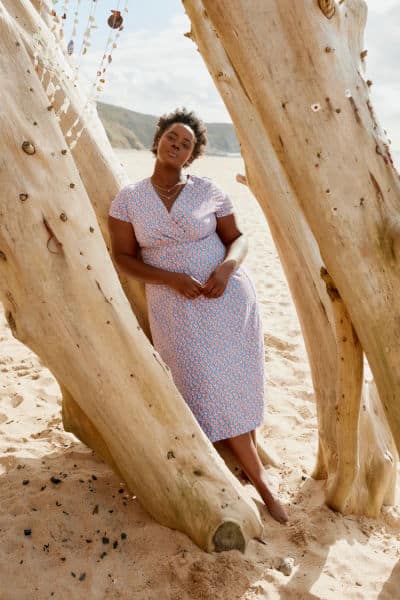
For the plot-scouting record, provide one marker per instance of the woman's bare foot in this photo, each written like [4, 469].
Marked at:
[276, 509]
[244, 448]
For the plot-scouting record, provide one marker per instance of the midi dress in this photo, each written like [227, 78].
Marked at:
[214, 347]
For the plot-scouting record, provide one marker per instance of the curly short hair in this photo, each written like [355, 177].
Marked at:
[182, 115]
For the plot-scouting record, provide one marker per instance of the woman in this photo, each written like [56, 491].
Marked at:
[203, 310]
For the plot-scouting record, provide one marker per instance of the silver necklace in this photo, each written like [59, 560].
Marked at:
[168, 197]
[165, 190]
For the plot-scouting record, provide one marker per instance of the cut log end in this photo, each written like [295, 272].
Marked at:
[229, 536]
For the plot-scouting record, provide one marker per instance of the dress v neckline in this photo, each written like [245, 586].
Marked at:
[176, 199]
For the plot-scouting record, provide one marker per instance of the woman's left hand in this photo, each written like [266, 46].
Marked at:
[217, 282]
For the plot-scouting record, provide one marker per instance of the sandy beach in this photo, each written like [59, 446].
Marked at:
[70, 529]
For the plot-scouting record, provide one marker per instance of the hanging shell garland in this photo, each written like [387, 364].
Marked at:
[116, 20]
[48, 58]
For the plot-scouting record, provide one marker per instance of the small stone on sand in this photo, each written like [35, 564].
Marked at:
[286, 566]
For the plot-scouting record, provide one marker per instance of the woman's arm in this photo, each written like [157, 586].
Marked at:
[236, 250]
[125, 249]
[234, 241]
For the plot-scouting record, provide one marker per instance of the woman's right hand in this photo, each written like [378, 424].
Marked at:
[186, 285]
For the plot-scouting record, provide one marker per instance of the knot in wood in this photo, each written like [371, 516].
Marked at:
[222, 76]
[331, 289]
[190, 35]
[23, 197]
[328, 7]
[63, 217]
[3, 256]
[64, 152]
[28, 148]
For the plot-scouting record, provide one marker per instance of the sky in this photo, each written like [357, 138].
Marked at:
[155, 68]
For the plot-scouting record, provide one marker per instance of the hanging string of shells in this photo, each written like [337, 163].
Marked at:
[48, 60]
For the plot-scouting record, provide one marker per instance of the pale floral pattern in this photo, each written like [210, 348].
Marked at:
[213, 346]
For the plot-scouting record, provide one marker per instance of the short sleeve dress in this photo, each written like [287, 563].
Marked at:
[213, 346]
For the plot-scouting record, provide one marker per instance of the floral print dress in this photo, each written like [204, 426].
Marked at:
[213, 346]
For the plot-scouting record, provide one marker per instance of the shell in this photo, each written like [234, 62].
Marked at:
[328, 7]
[286, 566]
[28, 147]
[115, 21]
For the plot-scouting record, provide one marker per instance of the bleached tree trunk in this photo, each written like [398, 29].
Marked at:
[63, 299]
[291, 76]
[102, 175]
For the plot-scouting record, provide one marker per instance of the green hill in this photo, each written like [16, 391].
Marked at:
[129, 129]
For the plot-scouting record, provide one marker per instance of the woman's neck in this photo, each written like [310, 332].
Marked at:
[166, 176]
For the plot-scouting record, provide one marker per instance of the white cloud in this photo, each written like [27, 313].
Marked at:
[156, 72]
[381, 6]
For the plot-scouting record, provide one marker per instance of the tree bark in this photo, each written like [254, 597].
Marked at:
[291, 77]
[63, 299]
[101, 184]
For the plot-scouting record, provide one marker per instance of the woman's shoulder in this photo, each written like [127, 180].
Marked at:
[127, 198]
[207, 184]
[202, 181]
[133, 188]
[223, 204]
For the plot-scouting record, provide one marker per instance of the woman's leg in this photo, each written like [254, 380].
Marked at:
[243, 474]
[253, 434]
[245, 450]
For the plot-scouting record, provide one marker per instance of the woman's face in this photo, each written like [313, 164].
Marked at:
[176, 145]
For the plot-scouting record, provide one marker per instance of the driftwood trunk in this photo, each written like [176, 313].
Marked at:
[292, 77]
[63, 299]
[101, 176]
